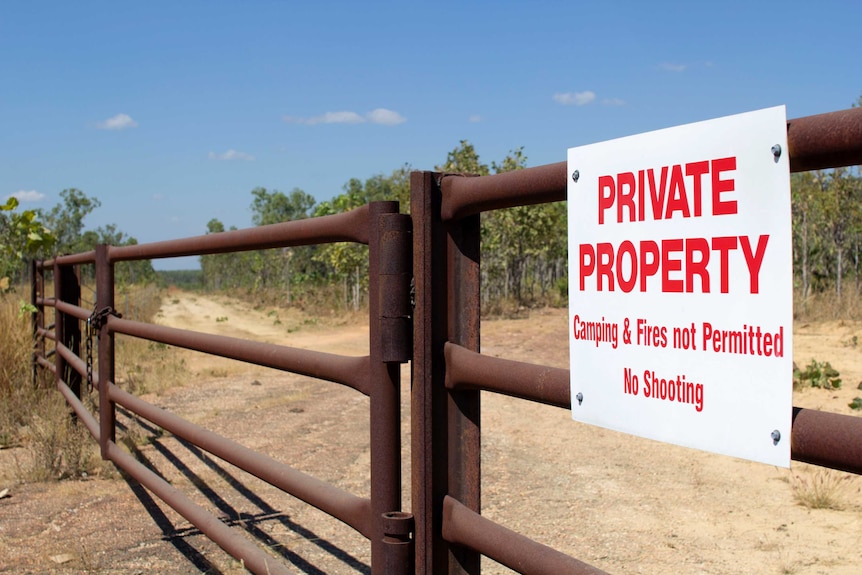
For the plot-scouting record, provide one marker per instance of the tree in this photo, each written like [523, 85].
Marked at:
[125, 273]
[281, 268]
[523, 248]
[215, 268]
[464, 160]
[67, 219]
[22, 237]
[275, 207]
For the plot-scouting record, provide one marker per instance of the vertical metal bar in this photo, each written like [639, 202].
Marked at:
[105, 299]
[429, 455]
[37, 318]
[395, 322]
[464, 405]
[385, 402]
[397, 530]
[72, 326]
[59, 362]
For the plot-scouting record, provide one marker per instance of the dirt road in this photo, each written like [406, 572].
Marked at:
[623, 504]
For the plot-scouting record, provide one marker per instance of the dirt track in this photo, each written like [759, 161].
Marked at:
[623, 504]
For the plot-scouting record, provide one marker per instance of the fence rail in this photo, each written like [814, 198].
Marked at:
[450, 373]
[376, 375]
[440, 333]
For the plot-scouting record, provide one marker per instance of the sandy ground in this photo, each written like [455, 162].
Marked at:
[623, 504]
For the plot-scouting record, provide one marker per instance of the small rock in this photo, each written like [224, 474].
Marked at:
[62, 558]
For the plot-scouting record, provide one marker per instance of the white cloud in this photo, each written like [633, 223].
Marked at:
[385, 117]
[118, 122]
[231, 155]
[377, 116]
[337, 118]
[671, 67]
[613, 102]
[27, 196]
[474, 119]
[574, 98]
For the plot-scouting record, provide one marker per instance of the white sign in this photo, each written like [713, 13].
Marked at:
[680, 285]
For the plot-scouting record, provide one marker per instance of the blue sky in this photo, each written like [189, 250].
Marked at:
[170, 113]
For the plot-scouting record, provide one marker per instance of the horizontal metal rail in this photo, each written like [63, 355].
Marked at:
[83, 414]
[346, 370]
[74, 310]
[827, 439]
[224, 536]
[234, 543]
[46, 364]
[40, 332]
[69, 260]
[350, 226]
[823, 141]
[462, 526]
[73, 360]
[822, 438]
[353, 510]
[467, 369]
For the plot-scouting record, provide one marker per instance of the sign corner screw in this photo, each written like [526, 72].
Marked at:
[580, 396]
[776, 436]
[576, 176]
[776, 151]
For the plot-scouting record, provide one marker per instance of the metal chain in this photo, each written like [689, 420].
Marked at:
[94, 325]
[90, 354]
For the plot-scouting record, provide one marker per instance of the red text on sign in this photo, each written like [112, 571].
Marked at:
[680, 264]
[678, 189]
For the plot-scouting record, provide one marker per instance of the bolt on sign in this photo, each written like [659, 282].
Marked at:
[680, 285]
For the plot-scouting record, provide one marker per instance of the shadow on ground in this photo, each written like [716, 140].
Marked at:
[251, 523]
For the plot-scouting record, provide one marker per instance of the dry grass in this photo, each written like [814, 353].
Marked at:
[822, 489]
[36, 417]
[33, 414]
[142, 366]
[827, 306]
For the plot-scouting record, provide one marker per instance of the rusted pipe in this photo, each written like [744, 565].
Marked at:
[350, 226]
[346, 507]
[822, 141]
[105, 300]
[467, 369]
[72, 359]
[396, 263]
[350, 371]
[73, 310]
[75, 259]
[462, 526]
[830, 140]
[46, 334]
[252, 557]
[397, 543]
[47, 365]
[84, 416]
[827, 439]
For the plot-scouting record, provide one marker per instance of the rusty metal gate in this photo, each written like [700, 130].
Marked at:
[448, 371]
[377, 375]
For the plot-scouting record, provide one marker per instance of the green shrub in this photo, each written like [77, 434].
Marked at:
[817, 374]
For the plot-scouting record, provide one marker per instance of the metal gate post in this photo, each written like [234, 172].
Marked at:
[37, 292]
[105, 299]
[389, 332]
[445, 426]
[464, 405]
[67, 289]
